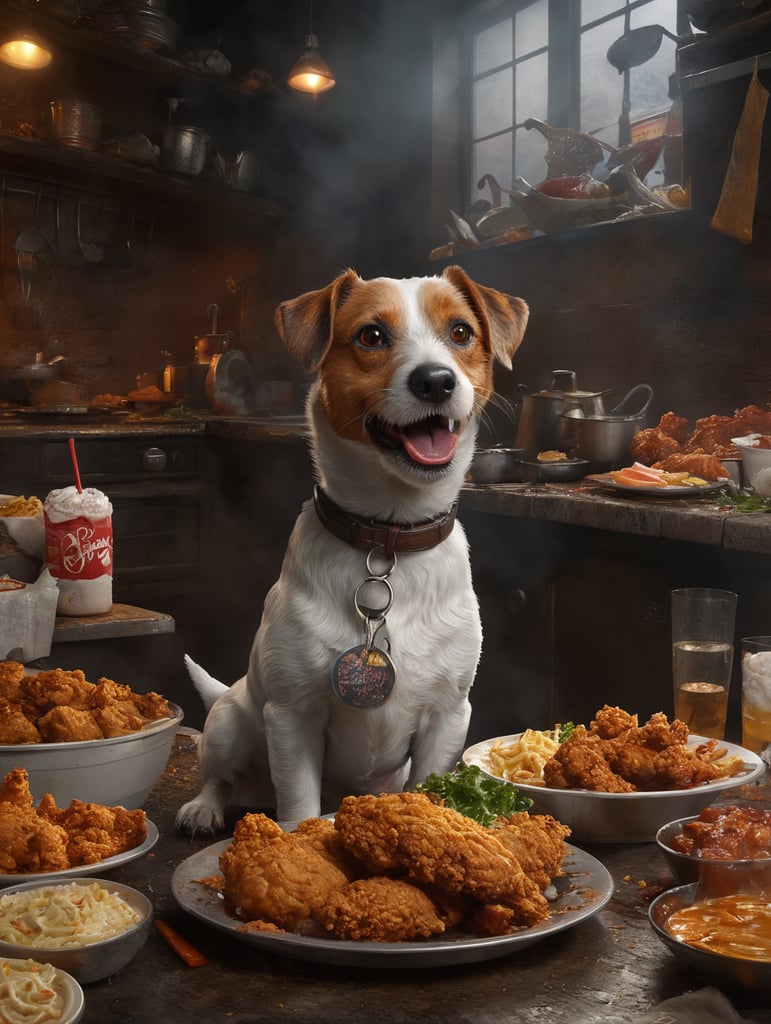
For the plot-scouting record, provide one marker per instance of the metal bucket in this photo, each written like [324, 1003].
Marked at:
[76, 123]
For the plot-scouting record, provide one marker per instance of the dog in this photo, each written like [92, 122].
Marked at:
[375, 591]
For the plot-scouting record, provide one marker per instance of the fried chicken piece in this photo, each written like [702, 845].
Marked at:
[15, 789]
[437, 846]
[659, 733]
[610, 722]
[15, 727]
[490, 919]
[674, 426]
[68, 725]
[580, 763]
[538, 843]
[53, 688]
[11, 678]
[94, 831]
[381, 909]
[320, 834]
[120, 711]
[29, 843]
[275, 878]
[697, 463]
[650, 445]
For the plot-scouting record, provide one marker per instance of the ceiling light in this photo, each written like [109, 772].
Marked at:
[25, 51]
[311, 72]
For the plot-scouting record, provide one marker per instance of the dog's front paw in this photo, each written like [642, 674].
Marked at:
[199, 816]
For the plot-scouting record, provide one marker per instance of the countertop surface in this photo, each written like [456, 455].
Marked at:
[610, 968]
[699, 519]
[99, 425]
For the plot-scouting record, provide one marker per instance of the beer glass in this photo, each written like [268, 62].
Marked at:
[756, 692]
[702, 654]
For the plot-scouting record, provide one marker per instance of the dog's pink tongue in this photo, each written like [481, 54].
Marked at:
[429, 443]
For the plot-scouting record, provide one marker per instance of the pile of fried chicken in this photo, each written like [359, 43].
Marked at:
[616, 755]
[51, 838]
[672, 446]
[59, 706]
[392, 868]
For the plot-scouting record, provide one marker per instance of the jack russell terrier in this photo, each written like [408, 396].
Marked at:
[360, 671]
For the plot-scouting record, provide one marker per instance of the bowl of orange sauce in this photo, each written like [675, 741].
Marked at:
[726, 937]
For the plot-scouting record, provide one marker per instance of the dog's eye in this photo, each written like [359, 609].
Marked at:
[460, 334]
[371, 336]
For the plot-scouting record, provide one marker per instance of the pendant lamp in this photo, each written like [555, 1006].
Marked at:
[24, 49]
[311, 72]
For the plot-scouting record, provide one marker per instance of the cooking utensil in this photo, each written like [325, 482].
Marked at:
[496, 466]
[91, 251]
[539, 413]
[603, 439]
[75, 123]
[184, 150]
[554, 472]
[31, 245]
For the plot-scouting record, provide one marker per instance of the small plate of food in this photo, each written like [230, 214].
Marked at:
[604, 797]
[643, 481]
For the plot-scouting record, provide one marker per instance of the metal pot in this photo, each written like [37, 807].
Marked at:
[539, 413]
[76, 123]
[244, 172]
[184, 150]
[603, 440]
[16, 382]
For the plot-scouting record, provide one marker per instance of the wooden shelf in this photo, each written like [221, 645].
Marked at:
[124, 620]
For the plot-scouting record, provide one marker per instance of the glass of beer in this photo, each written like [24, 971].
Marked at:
[756, 693]
[702, 655]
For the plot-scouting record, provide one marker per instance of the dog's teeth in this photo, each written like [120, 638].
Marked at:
[452, 425]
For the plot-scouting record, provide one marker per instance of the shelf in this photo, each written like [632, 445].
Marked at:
[180, 198]
[123, 621]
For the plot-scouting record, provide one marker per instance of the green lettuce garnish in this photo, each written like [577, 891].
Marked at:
[468, 790]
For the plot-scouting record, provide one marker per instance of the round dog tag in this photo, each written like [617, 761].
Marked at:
[363, 677]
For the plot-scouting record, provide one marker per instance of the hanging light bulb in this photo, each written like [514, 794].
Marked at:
[25, 51]
[311, 72]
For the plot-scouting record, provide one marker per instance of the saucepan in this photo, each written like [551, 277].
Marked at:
[539, 413]
[604, 439]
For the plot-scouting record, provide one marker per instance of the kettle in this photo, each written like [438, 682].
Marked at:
[213, 343]
[539, 413]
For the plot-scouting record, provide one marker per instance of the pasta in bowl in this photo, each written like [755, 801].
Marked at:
[88, 927]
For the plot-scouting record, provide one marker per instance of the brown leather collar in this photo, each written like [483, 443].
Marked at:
[366, 534]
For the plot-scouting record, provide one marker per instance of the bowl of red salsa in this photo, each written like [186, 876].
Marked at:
[725, 846]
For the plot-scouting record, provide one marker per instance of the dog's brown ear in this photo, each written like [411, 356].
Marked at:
[306, 324]
[504, 316]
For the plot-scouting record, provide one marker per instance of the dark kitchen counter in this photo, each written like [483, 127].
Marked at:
[35, 428]
[699, 520]
[609, 969]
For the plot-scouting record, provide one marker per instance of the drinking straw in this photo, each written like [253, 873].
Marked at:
[74, 457]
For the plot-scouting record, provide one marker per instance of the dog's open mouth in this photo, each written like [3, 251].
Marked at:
[430, 442]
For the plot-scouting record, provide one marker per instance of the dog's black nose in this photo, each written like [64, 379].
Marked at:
[432, 382]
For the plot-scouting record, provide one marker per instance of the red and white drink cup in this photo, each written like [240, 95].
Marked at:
[79, 549]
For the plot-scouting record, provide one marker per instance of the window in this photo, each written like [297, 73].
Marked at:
[547, 59]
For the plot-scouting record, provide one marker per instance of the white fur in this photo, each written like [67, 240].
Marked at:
[279, 737]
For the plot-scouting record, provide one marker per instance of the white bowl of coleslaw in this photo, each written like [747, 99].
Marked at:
[38, 993]
[88, 927]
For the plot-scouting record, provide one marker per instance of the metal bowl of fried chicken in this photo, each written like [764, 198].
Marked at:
[689, 777]
[95, 742]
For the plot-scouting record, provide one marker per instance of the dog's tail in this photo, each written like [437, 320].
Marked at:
[209, 689]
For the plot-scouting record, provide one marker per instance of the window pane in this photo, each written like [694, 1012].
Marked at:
[532, 28]
[657, 12]
[601, 85]
[531, 155]
[532, 96]
[591, 10]
[493, 103]
[492, 47]
[493, 156]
